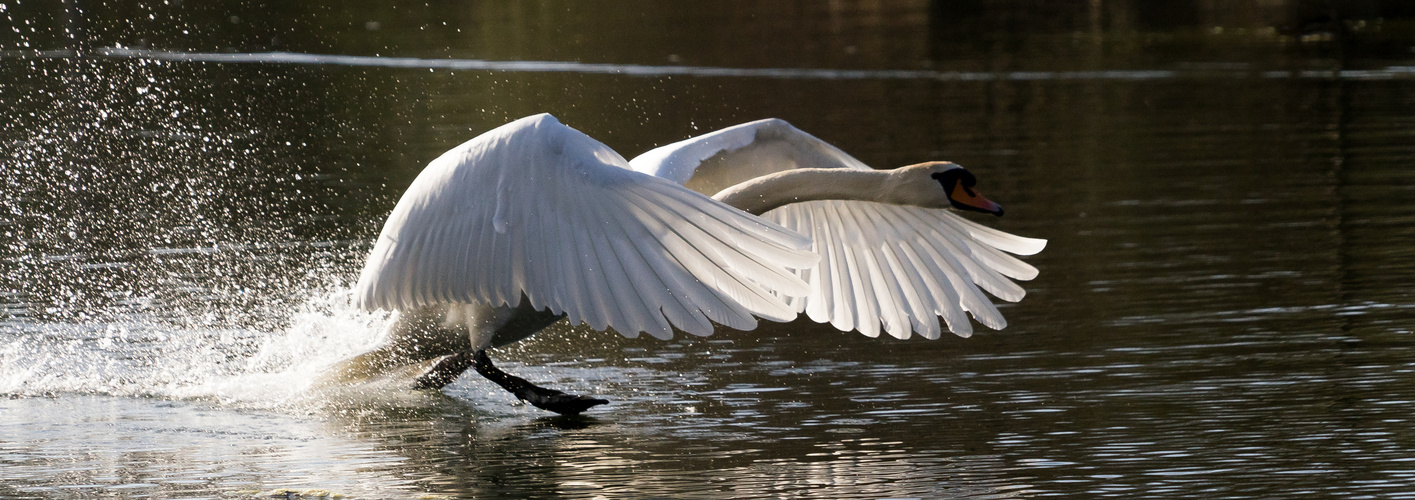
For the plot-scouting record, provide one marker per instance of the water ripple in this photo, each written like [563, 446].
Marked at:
[640, 70]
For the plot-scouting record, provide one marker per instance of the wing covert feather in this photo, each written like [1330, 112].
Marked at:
[716, 160]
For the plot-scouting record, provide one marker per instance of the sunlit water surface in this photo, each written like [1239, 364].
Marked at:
[1225, 308]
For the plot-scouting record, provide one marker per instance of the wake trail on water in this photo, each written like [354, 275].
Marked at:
[136, 356]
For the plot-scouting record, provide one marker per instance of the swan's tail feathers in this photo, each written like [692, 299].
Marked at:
[900, 268]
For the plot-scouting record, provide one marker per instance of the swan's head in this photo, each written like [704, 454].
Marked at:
[940, 184]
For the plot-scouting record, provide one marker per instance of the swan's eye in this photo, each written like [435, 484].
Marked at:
[942, 180]
[950, 179]
[958, 183]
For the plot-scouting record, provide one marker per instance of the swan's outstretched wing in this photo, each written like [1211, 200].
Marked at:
[718, 160]
[896, 266]
[537, 208]
[903, 267]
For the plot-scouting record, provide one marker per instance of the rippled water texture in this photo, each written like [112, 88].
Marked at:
[1224, 309]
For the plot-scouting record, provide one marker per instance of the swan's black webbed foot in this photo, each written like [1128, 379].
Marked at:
[540, 397]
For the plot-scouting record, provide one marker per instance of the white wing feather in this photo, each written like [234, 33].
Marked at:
[717, 160]
[899, 267]
[894, 267]
[537, 208]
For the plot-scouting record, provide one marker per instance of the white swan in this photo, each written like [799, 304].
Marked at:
[534, 221]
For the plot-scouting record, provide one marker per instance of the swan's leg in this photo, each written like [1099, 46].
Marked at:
[444, 371]
[486, 326]
[545, 399]
[493, 327]
[449, 367]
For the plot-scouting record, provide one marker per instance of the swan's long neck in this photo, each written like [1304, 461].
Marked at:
[759, 195]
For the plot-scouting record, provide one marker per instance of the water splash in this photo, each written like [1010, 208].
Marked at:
[156, 240]
[145, 358]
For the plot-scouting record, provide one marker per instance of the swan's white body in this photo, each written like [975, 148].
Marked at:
[536, 209]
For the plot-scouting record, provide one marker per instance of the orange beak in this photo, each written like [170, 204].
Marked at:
[974, 200]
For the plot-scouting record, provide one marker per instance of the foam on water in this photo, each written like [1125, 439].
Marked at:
[139, 356]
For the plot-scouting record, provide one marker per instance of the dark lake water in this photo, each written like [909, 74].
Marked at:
[1224, 309]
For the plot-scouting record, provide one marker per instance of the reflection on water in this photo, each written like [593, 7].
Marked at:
[1224, 308]
[175, 449]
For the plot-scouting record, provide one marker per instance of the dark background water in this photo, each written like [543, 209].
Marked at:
[1224, 308]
